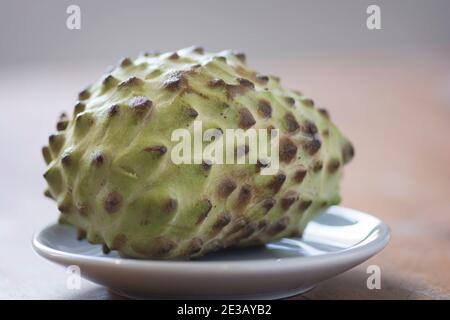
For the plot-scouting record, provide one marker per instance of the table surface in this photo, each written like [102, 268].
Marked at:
[395, 110]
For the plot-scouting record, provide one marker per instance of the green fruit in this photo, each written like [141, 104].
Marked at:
[111, 173]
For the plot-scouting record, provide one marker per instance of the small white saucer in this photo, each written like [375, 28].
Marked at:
[334, 242]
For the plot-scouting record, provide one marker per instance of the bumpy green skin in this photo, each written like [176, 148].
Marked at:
[110, 171]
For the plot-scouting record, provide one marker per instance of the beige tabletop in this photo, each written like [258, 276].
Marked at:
[395, 110]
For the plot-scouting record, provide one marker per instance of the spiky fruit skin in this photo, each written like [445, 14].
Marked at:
[110, 170]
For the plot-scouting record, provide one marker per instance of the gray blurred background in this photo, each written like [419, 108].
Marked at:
[388, 90]
[35, 31]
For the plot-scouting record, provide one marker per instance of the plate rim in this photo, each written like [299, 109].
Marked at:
[366, 250]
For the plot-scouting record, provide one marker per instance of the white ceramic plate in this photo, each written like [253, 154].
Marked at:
[335, 241]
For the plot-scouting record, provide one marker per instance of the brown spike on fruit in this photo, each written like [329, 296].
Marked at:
[308, 102]
[304, 204]
[245, 83]
[195, 245]
[62, 124]
[65, 206]
[309, 128]
[237, 225]
[125, 62]
[46, 154]
[246, 119]
[119, 241]
[198, 50]
[105, 249]
[164, 246]
[291, 123]
[98, 159]
[245, 195]
[131, 83]
[299, 175]
[268, 204]
[82, 209]
[174, 56]
[191, 112]
[176, 82]
[223, 219]
[240, 56]
[66, 160]
[109, 81]
[84, 94]
[56, 141]
[54, 179]
[276, 182]
[348, 152]
[170, 206]
[83, 123]
[264, 108]
[317, 165]
[288, 199]
[263, 79]
[140, 105]
[113, 202]
[79, 107]
[324, 112]
[287, 149]
[262, 225]
[220, 58]
[333, 165]
[48, 194]
[206, 165]
[113, 110]
[226, 187]
[216, 83]
[312, 145]
[151, 53]
[279, 225]
[290, 101]
[81, 234]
